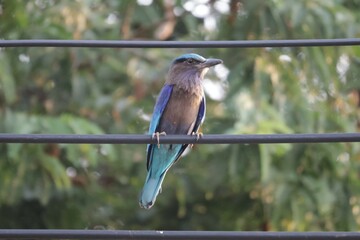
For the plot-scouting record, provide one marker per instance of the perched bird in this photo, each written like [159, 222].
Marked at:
[179, 109]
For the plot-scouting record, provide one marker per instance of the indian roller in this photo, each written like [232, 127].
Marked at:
[179, 109]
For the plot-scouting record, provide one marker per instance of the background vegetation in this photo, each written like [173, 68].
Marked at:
[223, 187]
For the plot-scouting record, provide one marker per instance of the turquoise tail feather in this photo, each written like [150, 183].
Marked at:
[150, 191]
[161, 160]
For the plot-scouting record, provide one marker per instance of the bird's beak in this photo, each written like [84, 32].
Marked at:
[211, 62]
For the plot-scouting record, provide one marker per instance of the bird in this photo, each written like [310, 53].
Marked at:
[179, 109]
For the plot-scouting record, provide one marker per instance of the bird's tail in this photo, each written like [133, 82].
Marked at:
[150, 190]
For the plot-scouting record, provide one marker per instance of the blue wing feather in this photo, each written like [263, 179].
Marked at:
[201, 115]
[159, 108]
[199, 120]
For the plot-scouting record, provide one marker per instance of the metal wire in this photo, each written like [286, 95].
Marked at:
[127, 234]
[205, 139]
[180, 44]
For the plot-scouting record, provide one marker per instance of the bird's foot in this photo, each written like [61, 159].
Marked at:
[198, 136]
[157, 136]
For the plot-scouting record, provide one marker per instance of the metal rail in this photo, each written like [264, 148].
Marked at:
[128, 234]
[180, 44]
[205, 139]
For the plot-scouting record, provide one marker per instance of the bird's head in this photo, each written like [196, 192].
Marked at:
[190, 66]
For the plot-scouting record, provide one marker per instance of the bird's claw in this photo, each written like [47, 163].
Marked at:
[198, 136]
[157, 136]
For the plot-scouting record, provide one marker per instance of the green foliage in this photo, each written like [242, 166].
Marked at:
[300, 187]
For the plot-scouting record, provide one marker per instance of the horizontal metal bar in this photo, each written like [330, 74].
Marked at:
[180, 44]
[128, 234]
[188, 139]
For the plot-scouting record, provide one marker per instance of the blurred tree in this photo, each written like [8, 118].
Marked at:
[226, 187]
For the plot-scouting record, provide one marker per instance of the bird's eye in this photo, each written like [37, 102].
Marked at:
[190, 61]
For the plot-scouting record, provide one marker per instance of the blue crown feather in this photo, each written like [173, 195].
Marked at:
[194, 56]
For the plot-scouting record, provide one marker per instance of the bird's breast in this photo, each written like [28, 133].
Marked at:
[181, 112]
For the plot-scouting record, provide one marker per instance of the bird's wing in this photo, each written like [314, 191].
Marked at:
[199, 120]
[201, 115]
[159, 108]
